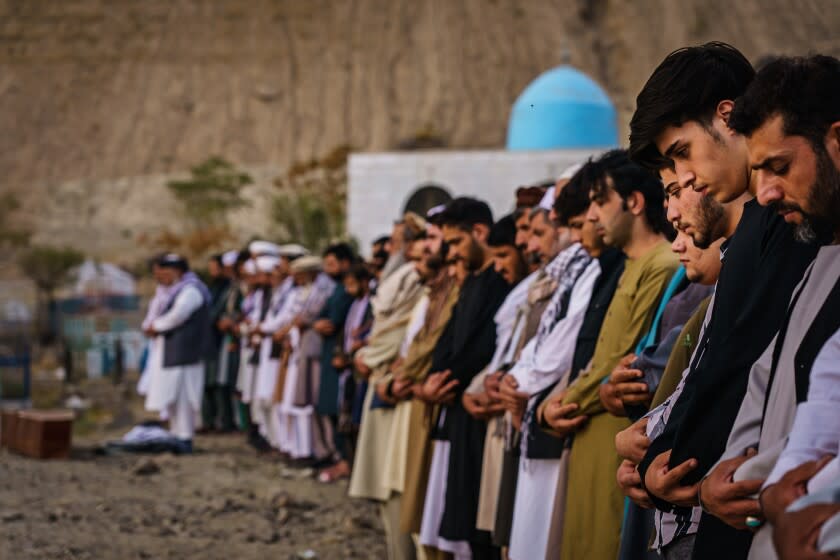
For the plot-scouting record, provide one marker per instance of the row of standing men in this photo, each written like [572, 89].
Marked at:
[642, 361]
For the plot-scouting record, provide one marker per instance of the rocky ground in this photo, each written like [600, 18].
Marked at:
[222, 502]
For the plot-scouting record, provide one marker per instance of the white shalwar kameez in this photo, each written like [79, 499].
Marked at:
[539, 366]
[295, 423]
[247, 372]
[155, 309]
[178, 390]
[266, 370]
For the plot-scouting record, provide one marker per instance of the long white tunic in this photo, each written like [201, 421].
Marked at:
[279, 315]
[538, 367]
[155, 309]
[247, 372]
[166, 383]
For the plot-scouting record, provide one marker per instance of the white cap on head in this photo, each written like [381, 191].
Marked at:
[259, 248]
[547, 201]
[292, 250]
[267, 263]
[250, 267]
[570, 171]
[307, 264]
[229, 258]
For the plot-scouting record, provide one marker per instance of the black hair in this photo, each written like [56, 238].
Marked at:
[573, 199]
[216, 258]
[615, 170]
[803, 90]
[465, 212]
[381, 240]
[503, 232]
[360, 272]
[687, 86]
[341, 251]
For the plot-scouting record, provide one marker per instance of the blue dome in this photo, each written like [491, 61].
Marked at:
[562, 108]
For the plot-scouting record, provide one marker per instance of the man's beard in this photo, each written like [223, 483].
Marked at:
[475, 257]
[710, 215]
[824, 200]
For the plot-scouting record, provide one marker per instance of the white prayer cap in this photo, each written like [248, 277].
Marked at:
[229, 258]
[292, 250]
[306, 264]
[434, 211]
[547, 201]
[570, 171]
[258, 248]
[267, 263]
[250, 267]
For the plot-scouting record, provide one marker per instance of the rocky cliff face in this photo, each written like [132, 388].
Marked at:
[101, 99]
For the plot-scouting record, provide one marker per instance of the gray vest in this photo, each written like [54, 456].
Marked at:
[187, 343]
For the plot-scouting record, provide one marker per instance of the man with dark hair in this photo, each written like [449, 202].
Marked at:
[464, 349]
[791, 120]
[507, 259]
[338, 258]
[221, 378]
[218, 286]
[681, 126]
[684, 92]
[627, 209]
[701, 218]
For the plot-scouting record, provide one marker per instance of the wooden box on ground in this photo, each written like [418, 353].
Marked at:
[43, 434]
[8, 427]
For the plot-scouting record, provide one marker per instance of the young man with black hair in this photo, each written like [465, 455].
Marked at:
[790, 118]
[681, 126]
[464, 349]
[338, 258]
[627, 208]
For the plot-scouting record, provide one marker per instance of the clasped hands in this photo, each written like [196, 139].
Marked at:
[624, 388]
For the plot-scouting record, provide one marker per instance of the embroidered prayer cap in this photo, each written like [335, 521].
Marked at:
[259, 248]
[415, 226]
[309, 263]
[293, 250]
[434, 213]
[547, 201]
[229, 258]
[267, 263]
[528, 197]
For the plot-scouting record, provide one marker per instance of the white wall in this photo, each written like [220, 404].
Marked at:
[380, 184]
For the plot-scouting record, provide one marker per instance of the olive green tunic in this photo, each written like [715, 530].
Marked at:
[594, 503]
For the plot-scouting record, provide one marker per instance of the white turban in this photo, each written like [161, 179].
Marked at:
[267, 263]
[259, 248]
[292, 250]
[229, 258]
[250, 267]
[547, 201]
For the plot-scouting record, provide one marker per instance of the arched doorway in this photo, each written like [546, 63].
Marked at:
[425, 198]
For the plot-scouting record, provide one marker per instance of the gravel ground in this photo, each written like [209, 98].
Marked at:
[222, 502]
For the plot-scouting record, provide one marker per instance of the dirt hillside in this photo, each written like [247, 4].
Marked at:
[101, 98]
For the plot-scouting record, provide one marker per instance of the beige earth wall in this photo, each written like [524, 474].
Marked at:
[97, 97]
